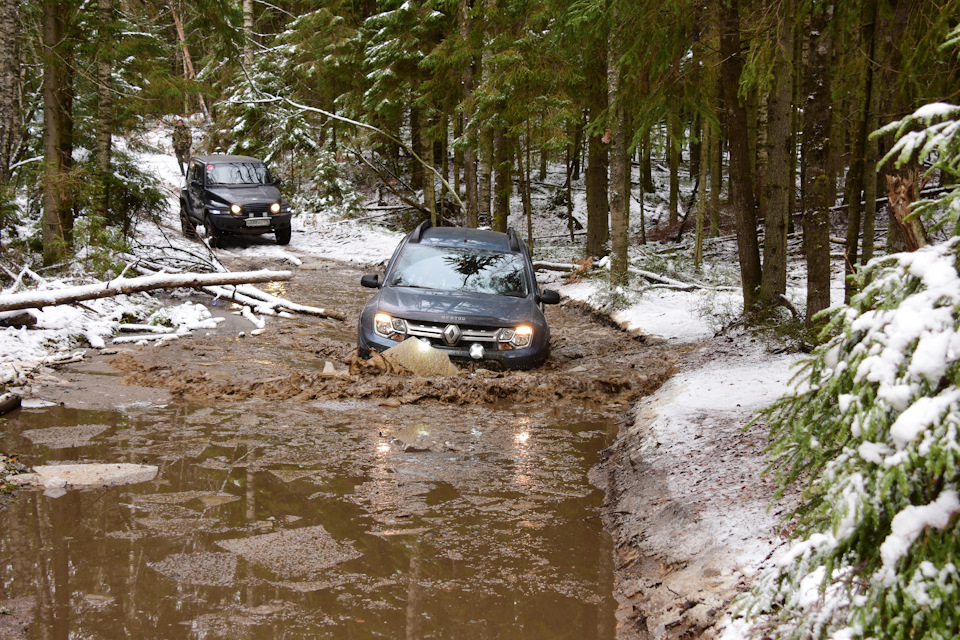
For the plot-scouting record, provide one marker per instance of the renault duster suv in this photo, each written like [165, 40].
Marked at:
[471, 293]
[233, 195]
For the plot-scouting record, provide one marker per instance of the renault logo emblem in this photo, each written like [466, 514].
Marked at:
[451, 334]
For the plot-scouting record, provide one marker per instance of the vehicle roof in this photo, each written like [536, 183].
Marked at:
[221, 158]
[465, 237]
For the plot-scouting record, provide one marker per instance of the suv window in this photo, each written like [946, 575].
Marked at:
[459, 269]
[195, 173]
[238, 173]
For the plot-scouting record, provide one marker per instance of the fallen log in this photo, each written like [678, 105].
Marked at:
[118, 286]
[9, 402]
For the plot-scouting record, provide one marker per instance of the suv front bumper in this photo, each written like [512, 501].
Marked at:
[238, 224]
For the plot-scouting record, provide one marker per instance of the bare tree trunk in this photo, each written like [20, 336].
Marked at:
[646, 165]
[187, 60]
[504, 183]
[741, 179]
[673, 154]
[871, 149]
[704, 147]
[619, 160]
[57, 141]
[818, 189]
[856, 173]
[105, 106]
[777, 158]
[598, 208]
[416, 145]
[248, 34]
[524, 173]
[9, 85]
[902, 192]
[429, 182]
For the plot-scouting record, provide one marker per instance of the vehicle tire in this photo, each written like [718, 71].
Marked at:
[283, 235]
[189, 231]
[212, 233]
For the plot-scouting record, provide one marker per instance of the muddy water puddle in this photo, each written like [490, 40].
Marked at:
[314, 520]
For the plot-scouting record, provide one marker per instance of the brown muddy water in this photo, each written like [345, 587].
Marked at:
[313, 523]
[293, 505]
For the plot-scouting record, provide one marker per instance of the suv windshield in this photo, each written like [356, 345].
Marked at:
[459, 269]
[238, 173]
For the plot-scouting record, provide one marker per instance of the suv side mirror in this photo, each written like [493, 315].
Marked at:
[549, 297]
[277, 181]
[370, 281]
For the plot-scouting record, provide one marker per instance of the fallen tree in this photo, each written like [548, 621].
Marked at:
[121, 285]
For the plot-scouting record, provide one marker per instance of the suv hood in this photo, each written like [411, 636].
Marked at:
[455, 307]
[243, 194]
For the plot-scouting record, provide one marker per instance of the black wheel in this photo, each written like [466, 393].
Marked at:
[186, 226]
[283, 235]
[212, 233]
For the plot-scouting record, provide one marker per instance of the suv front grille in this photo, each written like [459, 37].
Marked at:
[256, 209]
[434, 332]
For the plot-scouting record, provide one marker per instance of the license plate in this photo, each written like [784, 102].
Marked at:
[258, 222]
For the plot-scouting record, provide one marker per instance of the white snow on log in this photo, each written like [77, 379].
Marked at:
[145, 328]
[259, 323]
[159, 337]
[117, 286]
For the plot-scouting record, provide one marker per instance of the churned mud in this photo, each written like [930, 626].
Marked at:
[298, 496]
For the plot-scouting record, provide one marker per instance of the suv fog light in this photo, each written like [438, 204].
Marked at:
[476, 351]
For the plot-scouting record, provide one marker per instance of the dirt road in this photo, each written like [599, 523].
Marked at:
[293, 503]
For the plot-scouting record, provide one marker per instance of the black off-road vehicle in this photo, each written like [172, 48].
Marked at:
[233, 194]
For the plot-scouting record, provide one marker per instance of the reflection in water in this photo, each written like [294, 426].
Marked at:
[483, 529]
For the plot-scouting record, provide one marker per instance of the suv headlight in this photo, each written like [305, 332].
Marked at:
[235, 209]
[519, 338]
[275, 207]
[389, 327]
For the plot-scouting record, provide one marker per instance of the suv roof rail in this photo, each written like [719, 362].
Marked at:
[418, 232]
[512, 239]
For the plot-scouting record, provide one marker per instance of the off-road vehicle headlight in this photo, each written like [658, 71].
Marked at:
[275, 207]
[388, 327]
[235, 209]
[519, 338]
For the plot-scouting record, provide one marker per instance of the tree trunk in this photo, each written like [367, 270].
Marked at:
[416, 145]
[646, 165]
[741, 180]
[524, 173]
[105, 107]
[57, 138]
[598, 208]
[248, 34]
[673, 154]
[777, 159]
[429, 179]
[857, 171]
[818, 190]
[902, 191]
[504, 184]
[704, 147]
[619, 160]
[9, 85]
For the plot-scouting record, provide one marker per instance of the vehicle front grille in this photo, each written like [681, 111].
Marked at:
[433, 332]
[256, 209]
